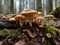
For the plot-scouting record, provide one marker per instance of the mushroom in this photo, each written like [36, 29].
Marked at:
[12, 19]
[36, 15]
[19, 18]
[49, 17]
[29, 13]
[41, 20]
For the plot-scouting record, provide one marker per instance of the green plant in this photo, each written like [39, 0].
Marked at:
[7, 31]
[52, 29]
[1, 35]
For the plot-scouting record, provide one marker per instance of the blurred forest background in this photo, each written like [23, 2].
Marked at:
[16, 6]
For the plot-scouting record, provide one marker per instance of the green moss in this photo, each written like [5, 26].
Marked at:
[1, 35]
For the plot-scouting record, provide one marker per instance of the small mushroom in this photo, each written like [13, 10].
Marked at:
[19, 18]
[38, 14]
[41, 20]
[12, 19]
[49, 17]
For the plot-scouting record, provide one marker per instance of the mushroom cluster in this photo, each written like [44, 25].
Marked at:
[32, 25]
[29, 13]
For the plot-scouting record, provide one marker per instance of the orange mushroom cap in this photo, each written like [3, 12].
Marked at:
[49, 16]
[12, 19]
[18, 17]
[27, 11]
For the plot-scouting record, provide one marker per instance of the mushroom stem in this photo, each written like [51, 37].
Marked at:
[31, 24]
[20, 23]
[42, 23]
[49, 20]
